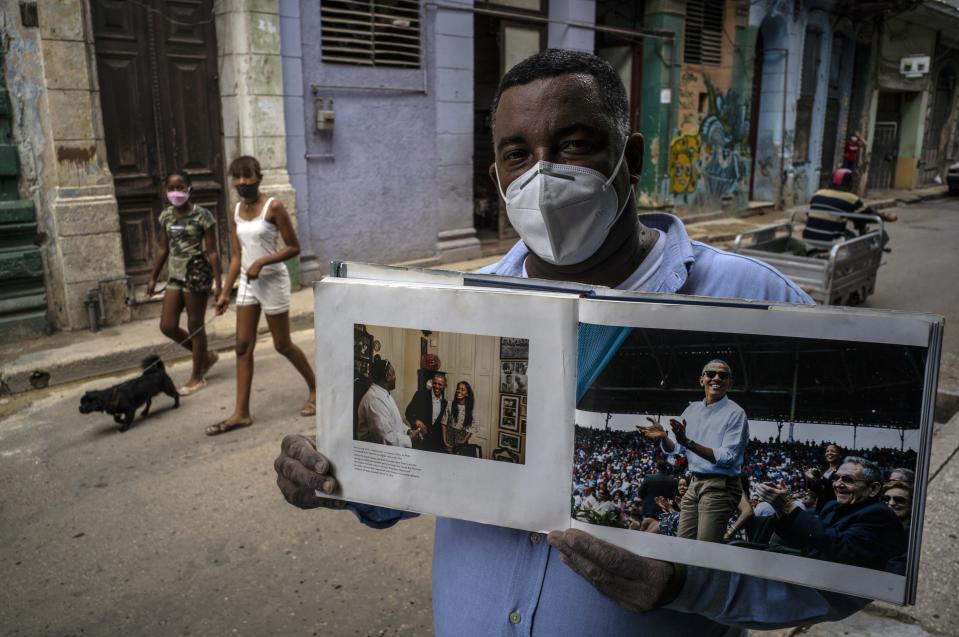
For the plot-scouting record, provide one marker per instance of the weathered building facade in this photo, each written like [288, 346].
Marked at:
[910, 100]
[108, 98]
[371, 118]
[741, 104]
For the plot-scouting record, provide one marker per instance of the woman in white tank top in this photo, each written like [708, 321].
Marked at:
[258, 224]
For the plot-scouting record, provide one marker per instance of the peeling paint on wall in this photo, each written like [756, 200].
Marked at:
[76, 155]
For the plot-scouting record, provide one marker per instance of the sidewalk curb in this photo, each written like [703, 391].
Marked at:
[59, 367]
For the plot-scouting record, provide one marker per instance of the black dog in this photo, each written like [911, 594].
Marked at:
[124, 399]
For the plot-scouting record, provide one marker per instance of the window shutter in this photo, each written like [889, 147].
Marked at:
[703, 37]
[371, 32]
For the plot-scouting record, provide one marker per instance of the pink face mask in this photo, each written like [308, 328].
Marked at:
[177, 197]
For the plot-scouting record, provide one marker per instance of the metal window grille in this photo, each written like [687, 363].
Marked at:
[371, 32]
[703, 38]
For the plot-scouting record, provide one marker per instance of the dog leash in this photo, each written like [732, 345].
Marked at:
[203, 325]
[240, 301]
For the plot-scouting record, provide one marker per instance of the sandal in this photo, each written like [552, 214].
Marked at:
[309, 409]
[186, 390]
[223, 426]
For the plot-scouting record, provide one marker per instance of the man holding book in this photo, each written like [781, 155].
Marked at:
[712, 433]
[565, 165]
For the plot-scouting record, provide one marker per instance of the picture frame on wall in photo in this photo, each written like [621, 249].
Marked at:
[362, 343]
[513, 347]
[520, 383]
[522, 423]
[509, 423]
[361, 368]
[509, 406]
[510, 441]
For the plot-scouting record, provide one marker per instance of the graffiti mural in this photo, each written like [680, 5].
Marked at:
[709, 169]
[684, 164]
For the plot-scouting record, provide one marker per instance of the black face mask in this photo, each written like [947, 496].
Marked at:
[249, 192]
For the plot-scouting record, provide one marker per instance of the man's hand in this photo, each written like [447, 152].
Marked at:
[679, 430]
[636, 583]
[812, 473]
[777, 497]
[151, 287]
[655, 431]
[301, 470]
[420, 429]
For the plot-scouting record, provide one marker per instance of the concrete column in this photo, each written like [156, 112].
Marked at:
[912, 131]
[251, 91]
[845, 82]
[804, 191]
[562, 35]
[661, 63]
[864, 119]
[51, 73]
[456, 236]
[295, 107]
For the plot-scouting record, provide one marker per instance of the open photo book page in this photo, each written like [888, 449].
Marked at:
[446, 400]
[785, 442]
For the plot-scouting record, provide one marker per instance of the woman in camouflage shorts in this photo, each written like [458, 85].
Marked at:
[188, 246]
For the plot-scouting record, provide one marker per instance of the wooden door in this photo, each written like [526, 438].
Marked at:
[157, 70]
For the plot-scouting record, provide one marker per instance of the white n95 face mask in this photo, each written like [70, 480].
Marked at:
[563, 213]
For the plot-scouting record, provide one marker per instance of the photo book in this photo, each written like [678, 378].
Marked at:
[781, 441]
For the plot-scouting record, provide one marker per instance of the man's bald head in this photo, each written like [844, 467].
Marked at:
[555, 62]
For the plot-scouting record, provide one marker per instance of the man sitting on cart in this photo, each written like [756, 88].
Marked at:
[827, 224]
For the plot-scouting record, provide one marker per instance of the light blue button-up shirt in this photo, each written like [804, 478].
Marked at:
[722, 427]
[489, 580]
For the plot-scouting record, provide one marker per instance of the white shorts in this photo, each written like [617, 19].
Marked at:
[270, 290]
